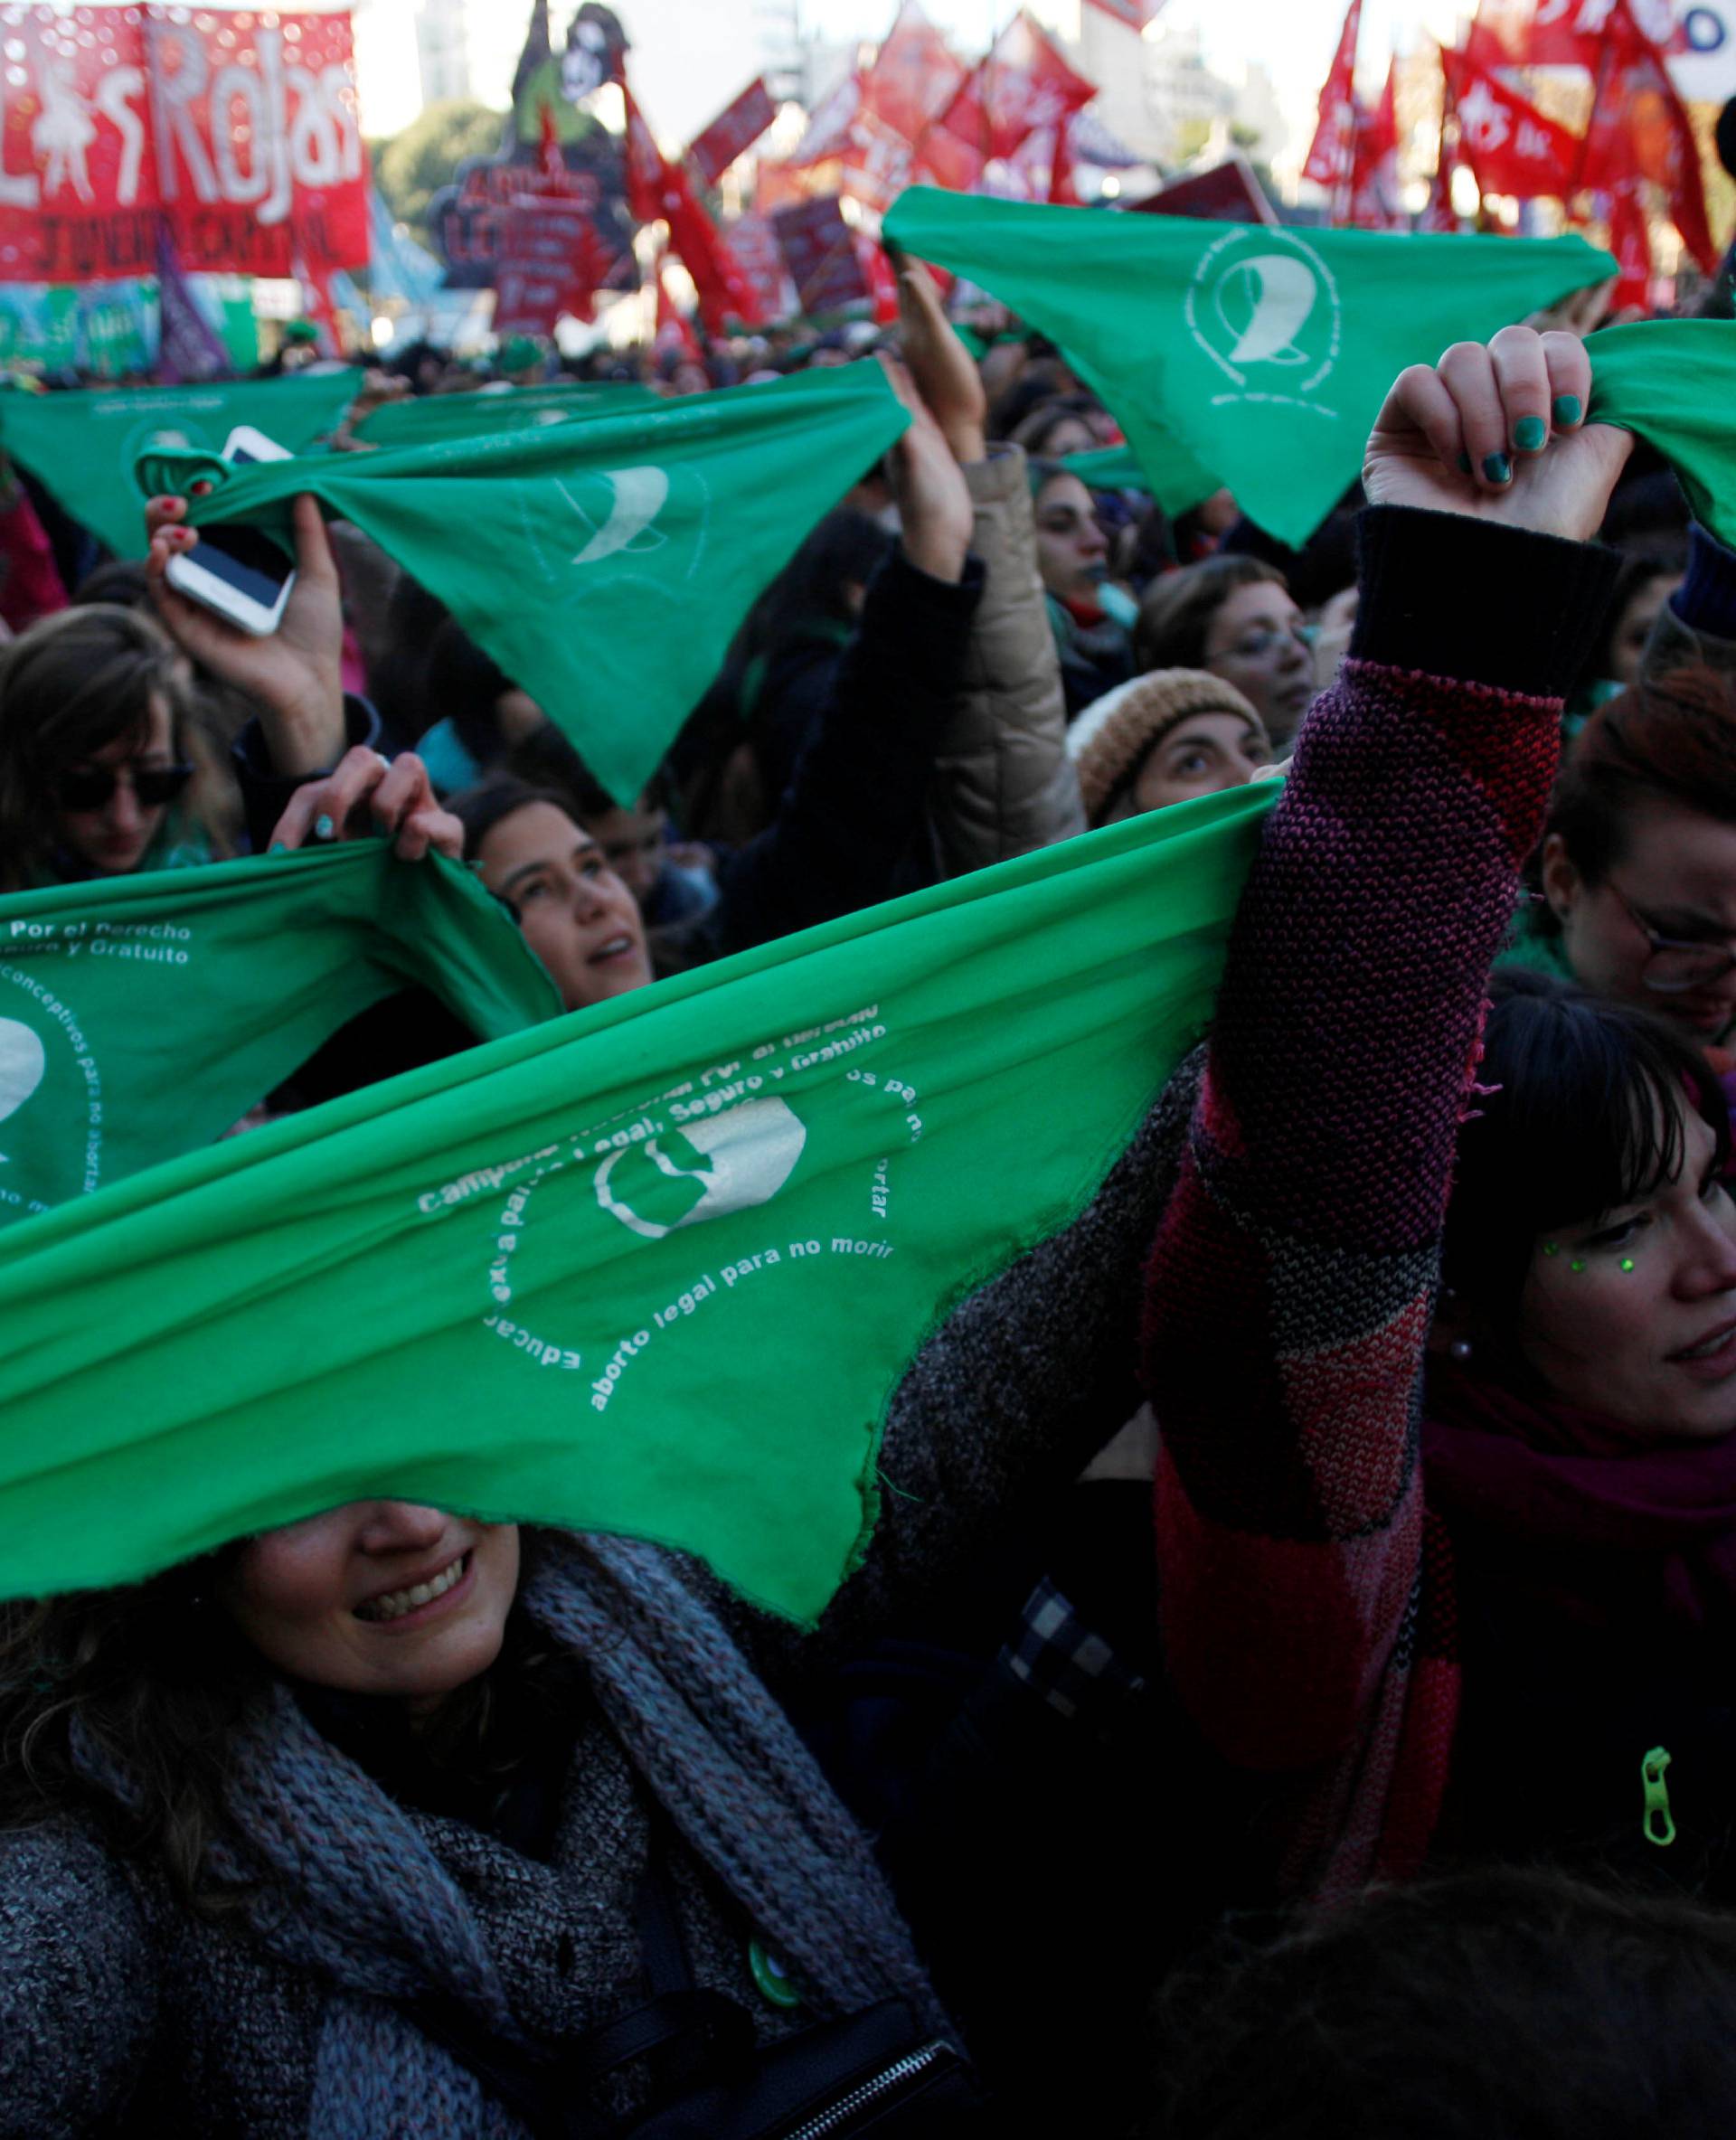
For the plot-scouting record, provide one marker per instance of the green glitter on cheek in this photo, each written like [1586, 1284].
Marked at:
[1576, 1265]
[1627, 1263]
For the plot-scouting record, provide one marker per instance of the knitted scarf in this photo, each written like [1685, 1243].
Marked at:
[1558, 1504]
[363, 1901]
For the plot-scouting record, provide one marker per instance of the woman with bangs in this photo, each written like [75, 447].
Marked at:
[104, 765]
[1441, 1320]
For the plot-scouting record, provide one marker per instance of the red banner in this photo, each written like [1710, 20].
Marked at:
[258, 141]
[754, 245]
[821, 256]
[1227, 194]
[551, 262]
[1511, 146]
[733, 132]
[240, 129]
[1631, 242]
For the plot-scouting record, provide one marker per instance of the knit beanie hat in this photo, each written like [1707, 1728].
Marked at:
[1111, 738]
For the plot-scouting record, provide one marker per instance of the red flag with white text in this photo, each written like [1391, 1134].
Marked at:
[1332, 152]
[1022, 83]
[1511, 146]
[1639, 128]
[733, 132]
[914, 76]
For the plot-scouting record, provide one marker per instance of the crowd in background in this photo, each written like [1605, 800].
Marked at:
[1332, 1804]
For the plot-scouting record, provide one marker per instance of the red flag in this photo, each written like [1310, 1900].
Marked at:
[828, 125]
[315, 276]
[661, 191]
[675, 336]
[1440, 217]
[733, 132]
[1639, 129]
[1375, 167]
[1510, 145]
[1024, 83]
[877, 273]
[1332, 152]
[1062, 190]
[1565, 33]
[1631, 242]
[914, 76]
[644, 166]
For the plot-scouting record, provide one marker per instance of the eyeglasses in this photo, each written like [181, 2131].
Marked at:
[1256, 644]
[92, 788]
[1675, 966]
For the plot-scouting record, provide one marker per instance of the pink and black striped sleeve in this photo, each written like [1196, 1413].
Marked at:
[1292, 1280]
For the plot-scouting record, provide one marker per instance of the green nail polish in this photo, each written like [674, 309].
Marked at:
[1529, 434]
[1497, 469]
[1568, 409]
[279, 847]
[1464, 464]
[324, 828]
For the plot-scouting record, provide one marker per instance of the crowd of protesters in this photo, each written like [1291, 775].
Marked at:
[1385, 1782]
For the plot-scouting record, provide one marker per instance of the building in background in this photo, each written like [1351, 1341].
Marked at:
[442, 51]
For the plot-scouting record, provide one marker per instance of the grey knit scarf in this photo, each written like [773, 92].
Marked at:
[363, 1900]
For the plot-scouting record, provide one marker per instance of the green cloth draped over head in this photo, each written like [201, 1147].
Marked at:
[141, 1016]
[603, 564]
[431, 418]
[1672, 381]
[1262, 354]
[84, 448]
[656, 1267]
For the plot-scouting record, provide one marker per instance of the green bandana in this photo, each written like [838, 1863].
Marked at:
[656, 1268]
[1177, 479]
[1671, 381]
[1265, 353]
[141, 1016]
[436, 417]
[83, 446]
[605, 565]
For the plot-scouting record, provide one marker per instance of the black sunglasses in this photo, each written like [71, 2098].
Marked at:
[92, 788]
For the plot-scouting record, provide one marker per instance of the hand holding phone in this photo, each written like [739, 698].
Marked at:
[239, 573]
[296, 673]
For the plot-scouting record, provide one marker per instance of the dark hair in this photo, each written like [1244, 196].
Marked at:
[1034, 432]
[118, 579]
[1586, 1114]
[481, 807]
[156, 1677]
[1638, 570]
[1671, 739]
[548, 761]
[1494, 2004]
[1175, 613]
[72, 684]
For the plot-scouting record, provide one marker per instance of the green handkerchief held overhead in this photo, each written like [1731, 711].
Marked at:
[1672, 381]
[604, 563]
[84, 448]
[427, 420]
[656, 1267]
[142, 1016]
[1262, 353]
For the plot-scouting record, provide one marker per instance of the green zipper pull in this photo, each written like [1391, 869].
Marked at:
[1656, 1825]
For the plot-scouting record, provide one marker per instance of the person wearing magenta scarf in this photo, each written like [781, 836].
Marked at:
[1441, 1320]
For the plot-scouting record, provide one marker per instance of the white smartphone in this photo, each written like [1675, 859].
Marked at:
[238, 572]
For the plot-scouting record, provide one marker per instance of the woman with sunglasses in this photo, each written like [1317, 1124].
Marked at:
[103, 765]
